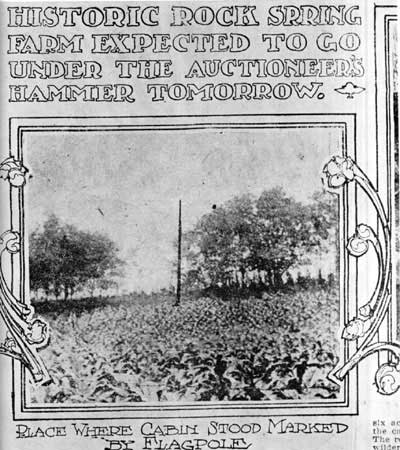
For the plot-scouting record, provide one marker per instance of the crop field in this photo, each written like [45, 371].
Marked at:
[206, 349]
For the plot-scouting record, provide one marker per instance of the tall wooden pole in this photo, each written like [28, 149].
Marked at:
[179, 268]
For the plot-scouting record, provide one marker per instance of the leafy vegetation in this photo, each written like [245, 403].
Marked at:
[63, 259]
[279, 347]
[251, 241]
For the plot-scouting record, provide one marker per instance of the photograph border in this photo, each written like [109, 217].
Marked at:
[349, 403]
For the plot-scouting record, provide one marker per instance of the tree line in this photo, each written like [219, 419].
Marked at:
[245, 243]
[255, 241]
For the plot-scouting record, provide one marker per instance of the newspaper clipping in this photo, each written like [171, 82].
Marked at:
[199, 225]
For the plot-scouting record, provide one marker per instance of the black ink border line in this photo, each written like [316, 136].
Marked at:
[209, 126]
[384, 76]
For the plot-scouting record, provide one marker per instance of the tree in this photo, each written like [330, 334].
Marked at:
[249, 241]
[217, 250]
[64, 259]
[287, 230]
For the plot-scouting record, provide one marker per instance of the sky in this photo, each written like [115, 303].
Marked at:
[127, 185]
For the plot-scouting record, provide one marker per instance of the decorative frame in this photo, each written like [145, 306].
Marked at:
[25, 335]
[340, 171]
[346, 404]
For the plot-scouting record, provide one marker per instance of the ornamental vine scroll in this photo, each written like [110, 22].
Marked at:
[25, 335]
[364, 327]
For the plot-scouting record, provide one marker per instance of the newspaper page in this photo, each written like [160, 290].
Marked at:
[199, 225]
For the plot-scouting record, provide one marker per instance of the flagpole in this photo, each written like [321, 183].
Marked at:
[179, 268]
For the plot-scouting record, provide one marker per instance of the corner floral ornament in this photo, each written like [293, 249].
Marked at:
[37, 332]
[358, 244]
[387, 379]
[339, 171]
[24, 334]
[363, 328]
[12, 170]
[356, 328]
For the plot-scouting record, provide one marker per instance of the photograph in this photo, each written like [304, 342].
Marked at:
[184, 265]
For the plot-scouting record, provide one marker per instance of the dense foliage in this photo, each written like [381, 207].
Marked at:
[256, 240]
[280, 347]
[64, 259]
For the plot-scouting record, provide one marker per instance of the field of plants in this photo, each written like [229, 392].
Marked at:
[206, 349]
